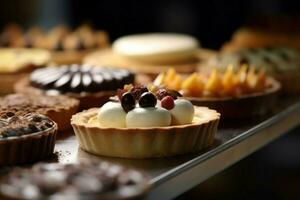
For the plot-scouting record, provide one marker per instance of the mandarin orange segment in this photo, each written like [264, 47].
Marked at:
[261, 80]
[175, 83]
[214, 83]
[251, 78]
[160, 79]
[228, 82]
[193, 84]
[241, 79]
[171, 73]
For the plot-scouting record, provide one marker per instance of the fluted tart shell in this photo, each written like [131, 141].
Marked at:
[146, 142]
[28, 148]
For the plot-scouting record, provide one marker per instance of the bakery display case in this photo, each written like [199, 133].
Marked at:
[125, 100]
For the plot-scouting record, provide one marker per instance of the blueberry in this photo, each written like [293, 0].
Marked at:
[147, 99]
[36, 118]
[127, 101]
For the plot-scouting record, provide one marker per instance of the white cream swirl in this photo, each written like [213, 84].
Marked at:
[183, 112]
[148, 117]
[112, 115]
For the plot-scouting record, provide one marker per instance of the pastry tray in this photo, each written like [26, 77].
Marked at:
[171, 177]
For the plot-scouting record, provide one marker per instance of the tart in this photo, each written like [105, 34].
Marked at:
[17, 63]
[25, 138]
[58, 108]
[281, 63]
[91, 85]
[85, 180]
[150, 53]
[159, 125]
[266, 31]
[66, 46]
[247, 37]
[246, 93]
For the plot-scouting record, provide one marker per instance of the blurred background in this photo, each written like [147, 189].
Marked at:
[212, 22]
[271, 173]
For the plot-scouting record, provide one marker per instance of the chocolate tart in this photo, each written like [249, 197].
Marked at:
[244, 106]
[25, 138]
[91, 85]
[17, 63]
[85, 180]
[146, 142]
[58, 108]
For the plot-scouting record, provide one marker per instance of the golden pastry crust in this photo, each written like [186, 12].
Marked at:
[146, 142]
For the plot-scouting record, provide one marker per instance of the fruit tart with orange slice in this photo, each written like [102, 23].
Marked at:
[145, 122]
[235, 94]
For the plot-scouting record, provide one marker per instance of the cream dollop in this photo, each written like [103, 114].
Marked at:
[112, 114]
[183, 112]
[148, 117]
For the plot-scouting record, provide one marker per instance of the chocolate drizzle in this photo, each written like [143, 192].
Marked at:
[77, 78]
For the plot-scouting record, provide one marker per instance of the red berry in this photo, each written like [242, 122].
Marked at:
[167, 102]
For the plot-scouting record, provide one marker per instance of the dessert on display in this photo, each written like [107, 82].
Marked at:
[161, 48]
[266, 31]
[58, 108]
[235, 94]
[25, 137]
[67, 46]
[145, 122]
[85, 180]
[150, 53]
[16, 63]
[281, 63]
[91, 85]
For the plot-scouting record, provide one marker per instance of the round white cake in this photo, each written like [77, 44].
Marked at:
[157, 47]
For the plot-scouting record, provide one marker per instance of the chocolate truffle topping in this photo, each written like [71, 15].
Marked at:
[77, 78]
